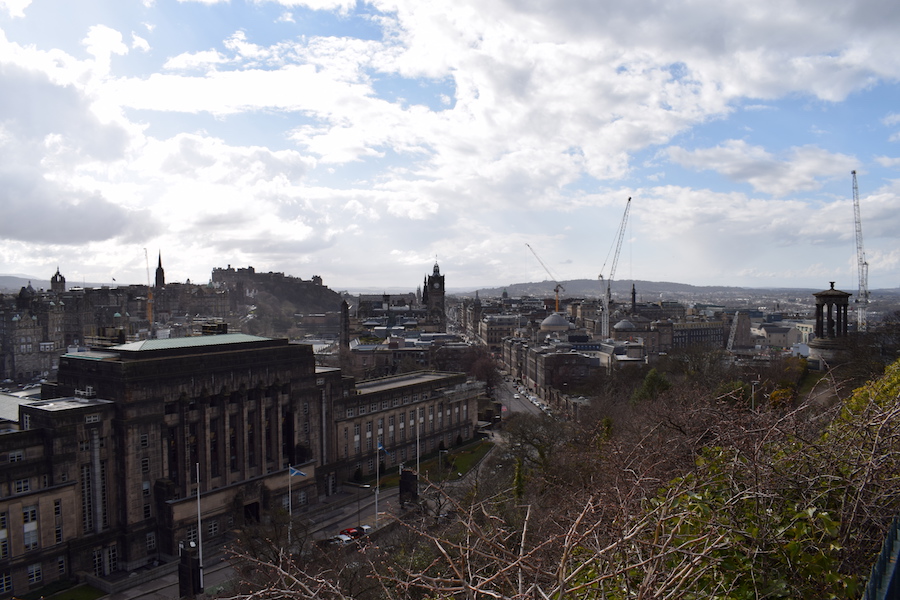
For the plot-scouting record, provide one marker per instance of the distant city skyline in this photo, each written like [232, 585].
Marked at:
[362, 141]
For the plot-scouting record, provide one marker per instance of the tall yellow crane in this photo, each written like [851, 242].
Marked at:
[559, 288]
[617, 246]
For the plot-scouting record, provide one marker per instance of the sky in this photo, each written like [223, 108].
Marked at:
[363, 141]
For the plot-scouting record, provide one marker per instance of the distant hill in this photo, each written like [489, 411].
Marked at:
[655, 290]
[647, 290]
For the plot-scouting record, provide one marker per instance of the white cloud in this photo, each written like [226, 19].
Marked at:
[464, 130]
[802, 170]
[15, 8]
[343, 6]
[205, 59]
[139, 43]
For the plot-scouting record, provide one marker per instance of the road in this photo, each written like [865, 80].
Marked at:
[218, 572]
[506, 392]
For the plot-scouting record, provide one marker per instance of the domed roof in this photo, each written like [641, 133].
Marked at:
[555, 322]
[624, 325]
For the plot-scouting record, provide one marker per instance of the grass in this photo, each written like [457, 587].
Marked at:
[59, 591]
[463, 459]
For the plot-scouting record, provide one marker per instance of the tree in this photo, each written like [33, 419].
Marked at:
[654, 384]
[692, 497]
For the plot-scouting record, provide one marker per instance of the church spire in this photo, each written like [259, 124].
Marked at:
[160, 273]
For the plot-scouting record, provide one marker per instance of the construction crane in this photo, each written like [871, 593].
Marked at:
[862, 295]
[149, 292]
[614, 250]
[559, 288]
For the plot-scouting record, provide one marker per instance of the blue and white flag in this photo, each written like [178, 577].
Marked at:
[294, 472]
[381, 447]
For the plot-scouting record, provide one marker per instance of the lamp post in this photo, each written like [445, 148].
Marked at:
[358, 496]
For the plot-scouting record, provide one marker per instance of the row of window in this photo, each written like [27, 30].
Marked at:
[352, 411]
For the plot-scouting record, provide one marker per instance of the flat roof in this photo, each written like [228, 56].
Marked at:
[189, 342]
[380, 385]
[59, 404]
[9, 406]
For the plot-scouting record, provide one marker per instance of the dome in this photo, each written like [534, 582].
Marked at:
[624, 325]
[555, 322]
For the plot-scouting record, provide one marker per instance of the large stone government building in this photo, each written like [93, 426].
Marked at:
[104, 472]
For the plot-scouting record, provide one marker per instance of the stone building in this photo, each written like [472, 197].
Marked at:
[242, 408]
[385, 412]
[104, 474]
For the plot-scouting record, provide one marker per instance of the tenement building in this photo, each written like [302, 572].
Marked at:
[102, 474]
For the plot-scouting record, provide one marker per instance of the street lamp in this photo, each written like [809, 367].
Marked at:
[360, 487]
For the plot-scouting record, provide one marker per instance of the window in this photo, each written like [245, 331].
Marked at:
[61, 565]
[4, 548]
[34, 573]
[22, 486]
[302, 498]
[31, 539]
[384, 404]
[58, 534]
[57, 508]
[373, 407]
[351, 413]
[16, 455]
[91, 418]
[306, 408]
[192, 534]
[29, 514]
[145, 489]
[84, 445]
[213, 527]
[3, 520]
[145, 465]
[144, 440]
[151, 541]
[5, 583]
[147, 513]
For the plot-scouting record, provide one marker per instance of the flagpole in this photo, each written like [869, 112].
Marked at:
[199, 527]
[290, 507]
[377, 480]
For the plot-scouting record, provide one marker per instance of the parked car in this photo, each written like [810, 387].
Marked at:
[356, 532]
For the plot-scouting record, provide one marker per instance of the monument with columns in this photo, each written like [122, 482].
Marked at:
[831, 328]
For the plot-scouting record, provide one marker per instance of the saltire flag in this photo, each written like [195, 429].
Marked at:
[381, 447]
[294, 472]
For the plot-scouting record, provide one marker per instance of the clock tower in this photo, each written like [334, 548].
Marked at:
[433, 299]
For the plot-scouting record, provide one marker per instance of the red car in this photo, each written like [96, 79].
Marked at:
[356, 532]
